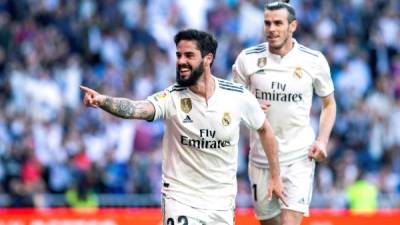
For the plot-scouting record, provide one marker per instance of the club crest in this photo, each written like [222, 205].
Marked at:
[226, 119]
[298, 72]
[261, 62]
[186, 105]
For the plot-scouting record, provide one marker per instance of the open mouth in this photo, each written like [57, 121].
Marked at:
[184, 71]
[273, 38]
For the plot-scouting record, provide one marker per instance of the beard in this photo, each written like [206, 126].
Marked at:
[193, 77]
[279, 45]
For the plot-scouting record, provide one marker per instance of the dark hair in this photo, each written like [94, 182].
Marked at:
[205, 42]
[281, 5]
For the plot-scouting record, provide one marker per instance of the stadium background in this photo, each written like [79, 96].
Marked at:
[51, 145]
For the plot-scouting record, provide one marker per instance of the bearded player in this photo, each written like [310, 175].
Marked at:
[202, 115]
[283, 75]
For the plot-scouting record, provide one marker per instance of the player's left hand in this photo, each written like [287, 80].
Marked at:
[275, 187]
[318, 151]
[265, 105]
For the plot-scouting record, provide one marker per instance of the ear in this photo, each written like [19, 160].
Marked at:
[208, 59]
[293, 26]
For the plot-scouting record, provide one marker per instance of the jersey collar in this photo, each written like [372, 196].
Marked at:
[278, 57]
[200, 98]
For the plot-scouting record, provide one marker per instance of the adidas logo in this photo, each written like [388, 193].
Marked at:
[188, 119]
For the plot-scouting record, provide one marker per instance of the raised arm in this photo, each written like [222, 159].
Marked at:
[120, 107]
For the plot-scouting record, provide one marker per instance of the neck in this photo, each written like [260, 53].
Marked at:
[283, 50]
[205, 86]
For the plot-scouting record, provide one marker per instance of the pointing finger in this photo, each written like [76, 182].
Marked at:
[87, 90]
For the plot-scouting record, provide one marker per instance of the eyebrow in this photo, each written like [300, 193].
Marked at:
[187, 54]
[273, 21]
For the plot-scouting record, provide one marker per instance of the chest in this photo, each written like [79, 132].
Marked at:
[217, 119]
[284, 79]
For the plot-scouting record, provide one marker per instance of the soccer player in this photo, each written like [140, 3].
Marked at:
[283, 75]
[202, 115]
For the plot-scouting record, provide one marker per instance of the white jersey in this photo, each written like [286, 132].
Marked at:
[288, 83]
[201, 141]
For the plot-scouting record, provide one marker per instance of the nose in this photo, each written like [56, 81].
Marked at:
[181, 60]
[270, 28]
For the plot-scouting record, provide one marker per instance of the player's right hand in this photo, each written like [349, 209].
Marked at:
[275, 187]
[91, 98]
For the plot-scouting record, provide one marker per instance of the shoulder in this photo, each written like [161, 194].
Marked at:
[310, 53]
[229, 86]
[175, 88]
[312, 56]
[257, 49]
[253, 52]
[236, 93]
[315, 61]
[252, 59]
[169, 92]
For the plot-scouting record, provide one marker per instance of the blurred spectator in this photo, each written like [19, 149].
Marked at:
[20, 198]
[81, 196]
[363, 196]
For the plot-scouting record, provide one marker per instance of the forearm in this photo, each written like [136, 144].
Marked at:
[128, 109]
[270, 148]
[327, 120]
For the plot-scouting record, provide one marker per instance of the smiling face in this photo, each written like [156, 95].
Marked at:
[278, 30]
[189, 63]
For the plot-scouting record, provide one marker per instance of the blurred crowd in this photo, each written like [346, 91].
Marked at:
[51, 144]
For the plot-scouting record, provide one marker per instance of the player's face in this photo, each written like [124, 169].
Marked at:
[189, 63]
[277, 28]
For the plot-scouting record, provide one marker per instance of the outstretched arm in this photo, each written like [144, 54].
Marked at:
[120, 107]
[270, 147]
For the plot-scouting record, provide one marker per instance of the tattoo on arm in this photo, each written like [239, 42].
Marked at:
[128, 109]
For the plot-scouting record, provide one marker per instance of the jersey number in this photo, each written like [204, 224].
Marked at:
[181, 220]
[255, 192]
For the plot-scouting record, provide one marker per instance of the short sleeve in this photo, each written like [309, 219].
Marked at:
[239, 72]
[162, 103]
[253, 116]
[323, 84]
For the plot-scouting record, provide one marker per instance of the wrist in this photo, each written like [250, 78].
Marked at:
[274, 175]
[102, 100]
[322, 141]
